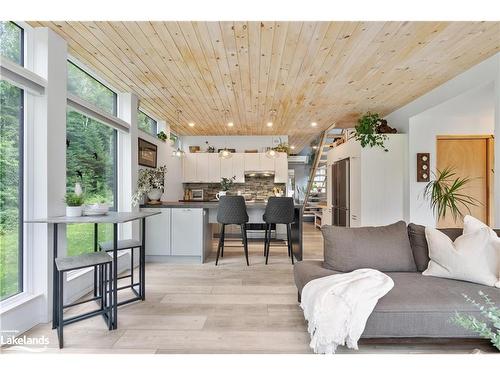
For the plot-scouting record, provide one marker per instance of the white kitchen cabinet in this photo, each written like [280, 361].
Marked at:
[238, 167]
[187, 231]
[252, 162]
[158, 233]
[202, 167]
[281, 168]
[189, 168]
[226, 167]
[266, 163]
[214, 168]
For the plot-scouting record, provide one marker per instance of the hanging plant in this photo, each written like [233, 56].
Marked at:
[162, 136]
[366, 131]
[445, 194]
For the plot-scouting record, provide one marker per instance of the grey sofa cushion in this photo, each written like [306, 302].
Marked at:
[417, 306]
[416, 234]
[384, 248]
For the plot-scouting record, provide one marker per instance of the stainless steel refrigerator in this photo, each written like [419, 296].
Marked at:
[340, 193]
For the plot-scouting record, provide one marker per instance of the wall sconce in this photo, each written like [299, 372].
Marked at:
[423, 167]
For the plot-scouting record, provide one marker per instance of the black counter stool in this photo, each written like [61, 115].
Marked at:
[102, 262]
[132, 245]
[279, 210]
[232, 210]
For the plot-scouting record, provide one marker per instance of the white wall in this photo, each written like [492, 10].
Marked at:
[240, 143]
[173, 178]
[469, 113]
[467, 104]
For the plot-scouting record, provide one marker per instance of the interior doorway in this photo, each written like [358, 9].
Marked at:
[470, 156]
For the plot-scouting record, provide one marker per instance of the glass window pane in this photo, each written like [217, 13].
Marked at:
[11, 41]
[11, 193]
[147, 124]
[91, 161]
[86, 87]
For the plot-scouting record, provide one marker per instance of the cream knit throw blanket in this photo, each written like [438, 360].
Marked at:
[338, 306]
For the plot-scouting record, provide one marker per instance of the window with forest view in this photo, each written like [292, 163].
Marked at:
[11, 42]
[91, 161]
[88, 88]
[11, 167]
[147, 124]
[11, 190]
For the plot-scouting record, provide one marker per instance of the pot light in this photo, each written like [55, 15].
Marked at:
[230, 124]
[315, 147]
[292, 147]
[314, 124]
[269, 124]
[191, 124]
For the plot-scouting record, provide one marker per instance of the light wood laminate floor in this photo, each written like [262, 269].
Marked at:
[230, 308]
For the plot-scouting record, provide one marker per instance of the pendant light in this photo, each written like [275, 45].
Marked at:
[270, 153]
[225, 153]
[179, 153]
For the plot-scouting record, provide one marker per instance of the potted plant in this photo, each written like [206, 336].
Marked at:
[366, 131]
[225, 186]
[162, 136]
[445, 194]
[210, 149]
[150, 183]
[96, 205]
[282, 147]
[74, 203]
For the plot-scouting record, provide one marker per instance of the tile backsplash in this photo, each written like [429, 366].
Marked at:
[258, 187]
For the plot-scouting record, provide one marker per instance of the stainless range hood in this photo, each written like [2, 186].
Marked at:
[259, 173]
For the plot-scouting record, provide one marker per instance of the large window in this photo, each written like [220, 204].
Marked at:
[88, 88]
[11, 190]
[11, 41]
[90, 160]
[147, 124]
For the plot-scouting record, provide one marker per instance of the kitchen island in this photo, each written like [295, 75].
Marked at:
[182, 232]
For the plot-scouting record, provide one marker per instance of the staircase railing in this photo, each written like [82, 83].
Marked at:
[316, 161]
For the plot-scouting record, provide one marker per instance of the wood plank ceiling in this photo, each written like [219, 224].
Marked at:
[287, 73]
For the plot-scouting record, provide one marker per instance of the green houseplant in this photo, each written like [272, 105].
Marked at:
[150, 183]
[162, 136]
[74, 203]
[225, 186]
[282, 147]
[490, 312]
[445, 194]
[366, 131]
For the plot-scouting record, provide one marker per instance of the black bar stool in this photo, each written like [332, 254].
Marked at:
[279, 210]
[132, 245]
[232, 210]
[102, 262]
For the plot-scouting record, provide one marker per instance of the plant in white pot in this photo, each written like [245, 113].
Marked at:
[74, 203]
[150, 183]
[225, 186]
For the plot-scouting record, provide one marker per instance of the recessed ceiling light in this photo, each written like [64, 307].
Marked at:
[292, 147]
[269, 124]
[230, 124]
[314, 124]
[191, 124]
[315, 147]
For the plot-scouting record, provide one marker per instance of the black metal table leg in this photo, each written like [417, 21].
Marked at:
[115, 276]
[55, 280]
[95, 249]
[142, 266]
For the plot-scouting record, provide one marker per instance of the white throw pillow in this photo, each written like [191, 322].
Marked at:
[465, 259]
[471, 224]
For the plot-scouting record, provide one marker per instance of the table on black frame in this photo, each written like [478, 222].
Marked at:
[114, 218]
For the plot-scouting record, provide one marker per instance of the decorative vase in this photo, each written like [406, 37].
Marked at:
[220, 194]
[73, 211]
[154, 195]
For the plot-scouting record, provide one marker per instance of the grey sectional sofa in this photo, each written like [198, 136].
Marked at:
[417, 306]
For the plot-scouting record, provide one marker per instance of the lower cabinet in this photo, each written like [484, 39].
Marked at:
[177, 232]
[187, 231]
[158, 239]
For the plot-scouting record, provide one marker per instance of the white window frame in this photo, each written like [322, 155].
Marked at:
[140, 109]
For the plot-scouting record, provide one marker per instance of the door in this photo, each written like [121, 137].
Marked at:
[187, 232]
[281, 168]
[202, 167]
[471, 157]
[189, 168]
[214, 168]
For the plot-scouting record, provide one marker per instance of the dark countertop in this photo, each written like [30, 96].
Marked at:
[203, 204]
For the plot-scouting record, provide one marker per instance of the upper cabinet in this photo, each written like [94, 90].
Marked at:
[209, 168]
[281, 168]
